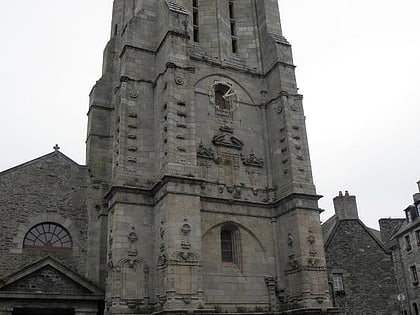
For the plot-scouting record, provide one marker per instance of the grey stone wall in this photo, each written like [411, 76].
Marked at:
[49, 189]
[368, 278]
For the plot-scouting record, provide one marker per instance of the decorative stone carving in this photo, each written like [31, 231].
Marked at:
[185, 229]
[133, 94]
[162, 260]
[132, 238]
[186, 244]
[252, 160]
[311, 239]
[228, 141]
[179, 80]
[290, 240]
[227, 128]
[131, 159]
[186, 256]
[205, 153]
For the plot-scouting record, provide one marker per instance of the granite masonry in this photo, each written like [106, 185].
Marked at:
[197, 196]
[360, 267]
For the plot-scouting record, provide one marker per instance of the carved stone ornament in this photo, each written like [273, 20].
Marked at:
[227, 128]
[311, 239]
[205, 153]
[179, 80]
[185, 256]
[290, 239]
[270, 280]
[162, 260]
[252, 160]
[134, 94]
[186, 228]
[186, 244]
[132, 238]
[228, 141]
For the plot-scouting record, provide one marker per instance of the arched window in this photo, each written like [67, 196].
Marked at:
[47, 235]
[230, 246]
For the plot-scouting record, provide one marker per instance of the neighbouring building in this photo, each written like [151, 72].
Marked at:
[402, 237]
[360, 268]
[197, 196]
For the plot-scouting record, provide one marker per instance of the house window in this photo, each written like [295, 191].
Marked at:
[230, 246]
[47, 235]
[414, 276]
[407, 243]
[196, 35]
[417, 237]
[232, 18]
[338, 282]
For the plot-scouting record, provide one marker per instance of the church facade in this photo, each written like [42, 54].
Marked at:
[197, 195]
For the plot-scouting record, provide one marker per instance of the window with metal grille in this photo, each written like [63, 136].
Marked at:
[227, 246]
[48, 235]
[338, 282]
[231, 246]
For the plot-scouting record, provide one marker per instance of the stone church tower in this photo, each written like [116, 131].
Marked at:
[201, 195]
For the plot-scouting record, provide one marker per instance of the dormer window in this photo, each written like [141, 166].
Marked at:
[412, 213]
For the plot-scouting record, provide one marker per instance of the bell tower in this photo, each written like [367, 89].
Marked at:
[199, 164]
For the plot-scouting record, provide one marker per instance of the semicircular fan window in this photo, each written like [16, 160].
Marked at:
[47, 235]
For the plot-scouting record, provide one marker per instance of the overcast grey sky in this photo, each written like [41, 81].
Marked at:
[357, 63]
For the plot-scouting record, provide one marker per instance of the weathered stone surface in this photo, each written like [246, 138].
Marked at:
[355, 254]
[189, 140]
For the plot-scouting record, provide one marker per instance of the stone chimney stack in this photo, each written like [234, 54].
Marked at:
[345, 206]
[416, 196]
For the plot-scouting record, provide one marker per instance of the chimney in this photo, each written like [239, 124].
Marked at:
[416, 196]
[345, 206]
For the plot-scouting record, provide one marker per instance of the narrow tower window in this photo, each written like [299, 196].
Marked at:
[233, 27]
[196, 34]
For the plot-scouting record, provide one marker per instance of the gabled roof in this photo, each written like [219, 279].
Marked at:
[74, 285]
[44, 157]
[330, 227]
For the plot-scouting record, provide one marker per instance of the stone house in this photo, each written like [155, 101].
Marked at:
[360, 268]
[197, 195]
[402, 238]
